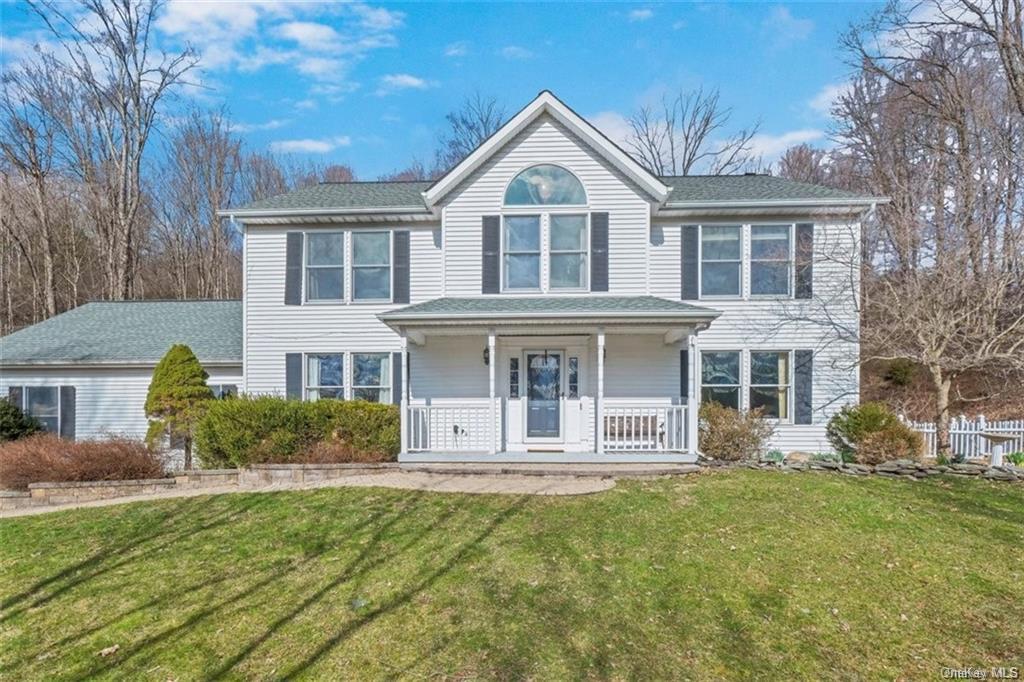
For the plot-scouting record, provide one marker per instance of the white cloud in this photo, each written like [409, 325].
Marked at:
[378, 18]
[310, 35]
[827, 96]
[306, 104]
[515, 52]
[401, 81]
[310, 145]
[272, 124]
[770, 147]
[641, 14]
[613, 124]
[678, 25]
[782, 28]
[320, 42]
[459, 49]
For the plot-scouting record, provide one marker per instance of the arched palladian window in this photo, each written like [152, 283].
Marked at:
[545, 184]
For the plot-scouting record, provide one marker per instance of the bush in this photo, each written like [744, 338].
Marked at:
[14, 423]
[900, 372]
[898, 442]
[870, 434]
[730, 435]
[45, 457]
[265, 429]
[1016, 458]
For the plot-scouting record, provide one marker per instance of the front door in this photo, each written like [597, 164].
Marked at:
[544, 394]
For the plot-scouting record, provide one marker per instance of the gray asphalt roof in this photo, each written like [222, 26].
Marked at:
[699, 188]
[131, 332]
[685, 188]
[347, 195]
[592, 306]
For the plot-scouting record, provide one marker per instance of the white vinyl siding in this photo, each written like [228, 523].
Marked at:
[607, 190]
[273, 329]
[108, 400]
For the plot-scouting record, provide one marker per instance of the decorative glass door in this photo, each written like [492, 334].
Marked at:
[543, 394]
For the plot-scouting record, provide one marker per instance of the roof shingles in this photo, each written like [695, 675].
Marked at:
[408, 195]
[569, 306]
[137, 332]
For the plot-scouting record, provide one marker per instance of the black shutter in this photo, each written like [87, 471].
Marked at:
[400, 262]
[491, 274]
[293, 269]
[804, 260]
[293, 376]
[67, 412]
[396, 378]
[599, 252]
[803, 383]
[684, 373]
[689, 248]
[16, 396]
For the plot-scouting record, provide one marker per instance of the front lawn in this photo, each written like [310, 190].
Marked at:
[728, 574]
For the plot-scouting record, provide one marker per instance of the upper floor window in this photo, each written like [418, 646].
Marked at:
[325, 266]
[568, 251]
[371, 266]
[721, 260]
[771, 264]
[522, 252]
[545, 184]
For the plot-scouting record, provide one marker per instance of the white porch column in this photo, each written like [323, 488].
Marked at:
[403, 419]
[693, 395]
[495, 431]
[599, 406]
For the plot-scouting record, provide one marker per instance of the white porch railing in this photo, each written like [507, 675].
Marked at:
[633, 426]
[465, 426]
[965, 437]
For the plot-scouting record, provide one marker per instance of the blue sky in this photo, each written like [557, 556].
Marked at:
[369, 84]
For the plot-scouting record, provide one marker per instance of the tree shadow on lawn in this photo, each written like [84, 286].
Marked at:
[123, 552]
[426, 579]
[993, 502]
[270, 580]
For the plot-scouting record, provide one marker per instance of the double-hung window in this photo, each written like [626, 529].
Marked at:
[769, 383]
[43, 403]
[371, 377]
[568, 251]
[221, 391]
[721, 260]
[325, 376]
[521, 246]
[371, 266]
[720, 378]
[770, 261]
[325, 266]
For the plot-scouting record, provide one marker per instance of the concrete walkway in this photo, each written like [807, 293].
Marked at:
[475, 483]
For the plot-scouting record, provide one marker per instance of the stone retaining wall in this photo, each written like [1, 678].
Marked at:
[260, 475]
[899, 468]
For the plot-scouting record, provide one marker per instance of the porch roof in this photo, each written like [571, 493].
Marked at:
[548, 309]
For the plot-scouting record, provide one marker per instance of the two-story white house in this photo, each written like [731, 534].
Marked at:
[549, 299]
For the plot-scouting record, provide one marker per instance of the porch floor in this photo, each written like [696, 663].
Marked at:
[605, 470]
[512, 457]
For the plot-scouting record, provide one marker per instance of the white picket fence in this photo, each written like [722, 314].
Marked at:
[965, 435]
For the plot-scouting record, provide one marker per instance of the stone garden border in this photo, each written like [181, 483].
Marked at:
[897, 468]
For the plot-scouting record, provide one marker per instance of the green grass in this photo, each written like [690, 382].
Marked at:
[727, 574]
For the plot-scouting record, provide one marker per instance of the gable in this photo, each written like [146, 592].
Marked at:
[546, 104]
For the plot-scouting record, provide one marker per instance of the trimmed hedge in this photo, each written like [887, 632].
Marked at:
[45, 457]
[870, 433]
[266, 429]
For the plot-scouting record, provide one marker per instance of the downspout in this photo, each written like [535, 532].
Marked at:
[245, 318]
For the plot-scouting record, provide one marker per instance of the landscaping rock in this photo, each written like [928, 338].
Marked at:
[1000, 474]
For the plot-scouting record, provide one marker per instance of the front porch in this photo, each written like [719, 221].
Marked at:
[604, 388]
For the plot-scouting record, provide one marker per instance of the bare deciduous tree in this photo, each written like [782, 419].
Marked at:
[474, 121]
[121, 81]
[680, 136]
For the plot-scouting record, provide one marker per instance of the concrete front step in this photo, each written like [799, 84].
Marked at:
[576, 470]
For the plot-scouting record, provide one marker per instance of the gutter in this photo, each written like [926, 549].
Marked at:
[284, 213]
[107, 364]
[776, 203]
[441, 318]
